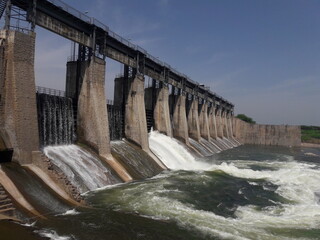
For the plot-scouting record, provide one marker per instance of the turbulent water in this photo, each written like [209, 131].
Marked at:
[248, 192]
[83, 169]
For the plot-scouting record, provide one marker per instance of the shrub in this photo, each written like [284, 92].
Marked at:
[245, 118]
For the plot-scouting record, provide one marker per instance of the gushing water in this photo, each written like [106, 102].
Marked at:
[232, 200]
[84, 170]
[173, 154]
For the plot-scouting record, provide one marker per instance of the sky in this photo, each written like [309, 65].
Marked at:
[262, 55]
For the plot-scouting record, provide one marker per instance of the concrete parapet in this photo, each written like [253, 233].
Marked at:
[93, 126]
[18, 110]
[162, 121]
[193, 121]
[204, 122]
[282, 135]
[180, 124]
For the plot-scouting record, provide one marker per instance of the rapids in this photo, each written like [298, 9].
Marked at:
[247, 192]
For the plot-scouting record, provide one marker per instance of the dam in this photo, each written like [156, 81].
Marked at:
[134, 158]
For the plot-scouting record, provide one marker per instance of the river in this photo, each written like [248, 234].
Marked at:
[248, 192]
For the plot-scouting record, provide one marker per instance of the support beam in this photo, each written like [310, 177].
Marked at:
[180, 124]
[204, 121]
[18, 109]
[161, 111]
[193, 121]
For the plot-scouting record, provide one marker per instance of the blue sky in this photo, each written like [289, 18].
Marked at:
[262, 55]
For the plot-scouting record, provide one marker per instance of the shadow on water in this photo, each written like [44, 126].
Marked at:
[36, 193]
[206, 193]
[14, 231]
[104, 223]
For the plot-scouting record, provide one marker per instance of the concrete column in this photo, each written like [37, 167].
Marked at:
[18, 109]
[219, 123]
[225, 124]
[212, 123]
[135, 113]
[93, 124]
[193, 121]
[162, 113]
[204, 122]
[230, 125]
[180, 124]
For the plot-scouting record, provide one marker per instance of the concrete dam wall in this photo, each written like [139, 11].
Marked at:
[281, 135]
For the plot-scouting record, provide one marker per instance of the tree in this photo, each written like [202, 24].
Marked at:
[245, 118]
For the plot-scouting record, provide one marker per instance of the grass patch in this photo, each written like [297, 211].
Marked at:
[310, 134]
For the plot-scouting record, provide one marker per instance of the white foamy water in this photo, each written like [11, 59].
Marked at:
[70, 212]
[82, 169]
[173, 154]
[297, 182]
[52, 235]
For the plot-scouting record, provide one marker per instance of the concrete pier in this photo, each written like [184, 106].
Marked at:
[135, 115]
[93, 125]
[92, 110]
[193, 121]
[212, 123]
[204, 121]
[225, 124]
[180, 124]
[162, 121]
[18, 109]
[219, 123]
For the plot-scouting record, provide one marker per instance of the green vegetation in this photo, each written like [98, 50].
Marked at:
[310, 134]
[245, 118]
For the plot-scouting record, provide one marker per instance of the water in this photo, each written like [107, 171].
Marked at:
[248, 192]
[116, 122]
[82, 168]
[138, 164]
[212, 147]
[36, 193]
[201, 148]
[167, 149]
[55, 117]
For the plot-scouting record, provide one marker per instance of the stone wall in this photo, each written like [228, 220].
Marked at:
[282, 135]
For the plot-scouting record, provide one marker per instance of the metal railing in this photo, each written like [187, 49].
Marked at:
[50, 91]
[110, 102]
